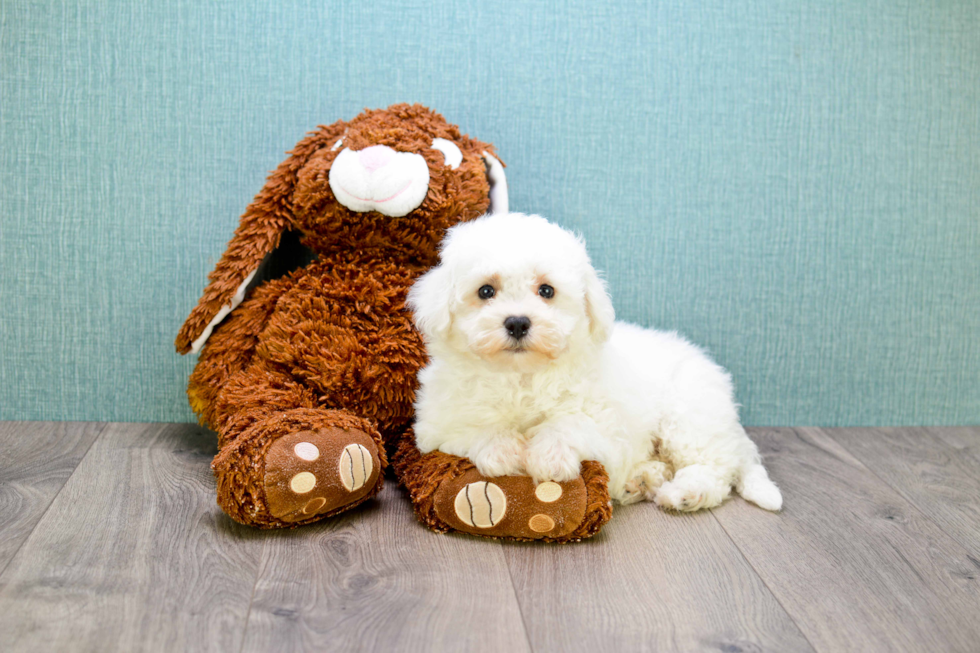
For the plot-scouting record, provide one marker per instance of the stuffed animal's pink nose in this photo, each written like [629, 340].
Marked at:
[374, 157]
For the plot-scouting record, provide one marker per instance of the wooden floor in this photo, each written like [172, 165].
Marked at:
[110, 539]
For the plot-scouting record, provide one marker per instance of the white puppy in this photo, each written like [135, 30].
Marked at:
[529, 373]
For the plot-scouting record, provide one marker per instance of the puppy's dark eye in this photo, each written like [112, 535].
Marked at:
[546, 291]
[486, 292]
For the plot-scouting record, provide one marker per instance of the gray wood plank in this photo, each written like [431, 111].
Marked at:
[965, 439]
[133, 554]
[855, 565]
[36, 458]
[940, 481]
[375, 579]
[651, 581]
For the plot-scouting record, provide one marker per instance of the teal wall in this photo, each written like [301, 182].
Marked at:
[795, 184]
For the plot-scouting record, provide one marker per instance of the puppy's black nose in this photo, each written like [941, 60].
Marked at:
[517, 326]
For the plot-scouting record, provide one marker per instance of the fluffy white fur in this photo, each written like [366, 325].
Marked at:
[654, 409]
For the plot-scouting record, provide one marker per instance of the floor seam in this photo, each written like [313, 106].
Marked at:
[251, 599]
[758, 575]
[517, 599]
[764, 583]
[98, 436]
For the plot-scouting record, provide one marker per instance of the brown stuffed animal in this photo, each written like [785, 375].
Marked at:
[308, 355]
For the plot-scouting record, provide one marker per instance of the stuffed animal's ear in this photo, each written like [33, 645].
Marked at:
[499, 199]
[598, 307]
[258, 234]
[430, 300]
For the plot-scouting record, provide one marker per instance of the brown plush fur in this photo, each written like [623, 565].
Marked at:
[330, 344]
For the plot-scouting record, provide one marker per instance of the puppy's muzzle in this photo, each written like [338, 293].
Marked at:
[517, 326]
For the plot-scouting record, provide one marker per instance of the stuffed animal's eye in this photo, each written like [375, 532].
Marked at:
[486, 292]
[449, 150]
[546, 291]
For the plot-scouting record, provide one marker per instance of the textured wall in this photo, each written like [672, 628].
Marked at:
[795, 185]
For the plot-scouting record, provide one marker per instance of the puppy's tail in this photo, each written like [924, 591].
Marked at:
[755, 486]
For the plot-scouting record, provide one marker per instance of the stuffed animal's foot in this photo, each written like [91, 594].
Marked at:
[313, 473]
[450, 493]
[512, 506]
[285, 472]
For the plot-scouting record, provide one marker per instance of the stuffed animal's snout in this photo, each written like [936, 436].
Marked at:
[375, 157]
[380, 179]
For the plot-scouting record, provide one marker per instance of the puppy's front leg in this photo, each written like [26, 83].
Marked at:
[501, 453]
[494, 451]
[558, 446]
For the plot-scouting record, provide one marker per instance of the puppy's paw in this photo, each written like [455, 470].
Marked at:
[632, 493]
[500, 457]
[646, 480]
[693, 488]
[677, 497]
[552, 461]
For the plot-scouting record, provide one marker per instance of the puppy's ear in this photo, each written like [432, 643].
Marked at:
[598, 307]
[430, 301]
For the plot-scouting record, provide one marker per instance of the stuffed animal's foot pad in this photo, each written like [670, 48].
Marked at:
[511, 506]
[356, 466]
[310, 473]
[481, 504]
